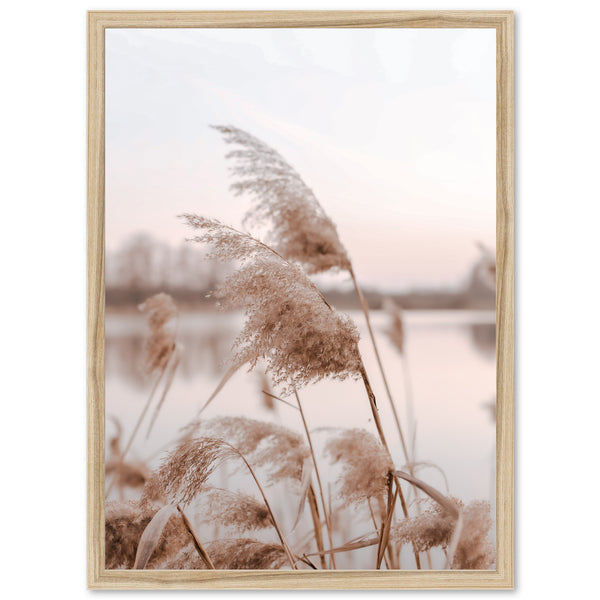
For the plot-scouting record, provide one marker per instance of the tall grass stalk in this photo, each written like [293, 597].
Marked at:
[136, 428]
[282, 539]
[365, 309]
[299, 227]
[197, 543]
[318, 529]
[379, 530]
[384, 537]
[378, 425]
[320, 486]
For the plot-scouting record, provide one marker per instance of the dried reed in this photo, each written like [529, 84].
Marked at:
[365, 464]
[186, 470]
[300, 229]
[302, 340]
[318, 476]
[239, 553]
[161, 357]
[237, 510]
[288, 322]
[277, 450]
[125, 474]
[124, 525]
[436, 527]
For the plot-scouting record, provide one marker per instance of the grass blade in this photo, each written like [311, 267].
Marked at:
[228, 375]
[304, 485]
[316, 518]
[349, 546]
[197, 543]
[384, 538]
[151, 536]
[442, 500]
[174, 363]
[454, 541]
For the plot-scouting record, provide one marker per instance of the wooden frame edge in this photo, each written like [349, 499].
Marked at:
[95, 300]
[505, 296]
[503, 578]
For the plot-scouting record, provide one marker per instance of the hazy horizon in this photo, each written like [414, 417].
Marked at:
[394, 130]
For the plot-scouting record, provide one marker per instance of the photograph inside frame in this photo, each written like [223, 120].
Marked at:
[300, 325]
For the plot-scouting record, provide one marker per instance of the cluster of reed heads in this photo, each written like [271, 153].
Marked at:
[299, 339]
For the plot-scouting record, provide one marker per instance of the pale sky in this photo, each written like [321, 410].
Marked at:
[393, 129]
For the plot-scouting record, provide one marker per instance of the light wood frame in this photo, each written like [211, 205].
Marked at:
[502, 577]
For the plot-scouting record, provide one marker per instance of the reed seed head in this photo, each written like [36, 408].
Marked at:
[160, 310]
[237, 510]
[185, 471]
[240, 553]
[475, 549]
[366, 464]
[288, 322]
[246, 554]
[279, 451]
[124, 524]
[435, 526]
[299, 227]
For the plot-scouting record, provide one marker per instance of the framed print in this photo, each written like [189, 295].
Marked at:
[300, 300]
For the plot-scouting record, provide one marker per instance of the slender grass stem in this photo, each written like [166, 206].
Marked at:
[379, 530]
[384, 536]
[312, 453]
[408, 394]
[316, 519]
[197, 543]
[286, 548]
[365, 308]
[136, 428]
[379, 427]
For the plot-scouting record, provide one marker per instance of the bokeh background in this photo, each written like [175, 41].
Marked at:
[394, 130]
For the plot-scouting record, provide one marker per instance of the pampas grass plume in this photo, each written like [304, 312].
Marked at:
[299, 227]
[366, 464]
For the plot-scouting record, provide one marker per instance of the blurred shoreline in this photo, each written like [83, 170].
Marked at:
[144, 267]
[469, 297]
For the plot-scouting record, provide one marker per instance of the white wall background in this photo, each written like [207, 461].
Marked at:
[42, 321]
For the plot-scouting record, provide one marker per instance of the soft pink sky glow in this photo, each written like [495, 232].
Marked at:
[394, 130]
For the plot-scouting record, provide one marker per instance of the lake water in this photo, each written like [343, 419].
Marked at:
[451, 365]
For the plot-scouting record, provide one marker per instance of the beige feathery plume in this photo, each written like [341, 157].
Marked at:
[431, 528]
[280, 452]
[366, 464]
[160, 310]
[435, 527]
[237, 510]
[474, 549]
[185, 471]
[288, 322]
[162, 357]
[246, 554]
[124, 524]
[300, 229]
[239, 553]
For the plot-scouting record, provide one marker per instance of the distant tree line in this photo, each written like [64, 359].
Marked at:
[143, 267]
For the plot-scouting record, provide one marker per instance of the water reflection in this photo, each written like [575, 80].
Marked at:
[206, 340]
[483, 337]
[452, 369]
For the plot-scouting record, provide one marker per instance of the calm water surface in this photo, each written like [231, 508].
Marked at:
[450, 363]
